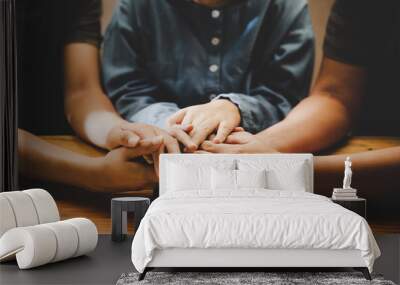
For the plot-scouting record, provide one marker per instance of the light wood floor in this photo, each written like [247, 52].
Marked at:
[100, 212]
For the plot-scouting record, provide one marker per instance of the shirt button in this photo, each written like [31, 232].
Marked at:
[213, 68]
[215, 14]
[215, 41]
[212, 96]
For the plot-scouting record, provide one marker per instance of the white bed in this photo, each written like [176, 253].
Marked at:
[280, 225]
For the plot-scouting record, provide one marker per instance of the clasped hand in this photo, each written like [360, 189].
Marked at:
[200, 127]
[193, 125]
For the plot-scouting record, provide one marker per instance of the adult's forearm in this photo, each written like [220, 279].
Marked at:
[373, 172]
[41, 160]
[89, 111]
[377, 160]
[91, 115]
[326, 115]
[314, 124]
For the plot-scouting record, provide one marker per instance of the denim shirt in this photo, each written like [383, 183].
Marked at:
[163, 55]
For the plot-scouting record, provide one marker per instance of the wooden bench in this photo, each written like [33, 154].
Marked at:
[100, 212]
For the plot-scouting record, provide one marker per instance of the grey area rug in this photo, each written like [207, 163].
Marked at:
[233, 278]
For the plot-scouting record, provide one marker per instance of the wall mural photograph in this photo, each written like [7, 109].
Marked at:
[144, 137]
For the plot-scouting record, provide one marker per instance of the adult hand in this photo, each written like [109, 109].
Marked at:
[219, 116]
[129, 135]
[239, 142]
[117, 172]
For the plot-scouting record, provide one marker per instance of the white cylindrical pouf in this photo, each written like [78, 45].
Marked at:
[87, 234]
[67, 240]
[33, 246]
[31, 232]
[23, 208]
[7, 218]
[45, 205]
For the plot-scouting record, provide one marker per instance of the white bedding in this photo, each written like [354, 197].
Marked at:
[250, 219]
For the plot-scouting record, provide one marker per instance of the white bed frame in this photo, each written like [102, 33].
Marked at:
[251, 258]
[234, 257]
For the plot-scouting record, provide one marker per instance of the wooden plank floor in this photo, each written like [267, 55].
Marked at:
[99, 211]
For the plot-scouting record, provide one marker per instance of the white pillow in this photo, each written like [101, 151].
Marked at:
[293, 180]
[281, 174]
[224, 179]
[187, 175]
[251, 178]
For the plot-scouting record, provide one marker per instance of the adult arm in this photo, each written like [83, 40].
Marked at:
[328, 114]
[112, 173]
[375, 172]
[325, 116]
[88, 110]
[91, 113]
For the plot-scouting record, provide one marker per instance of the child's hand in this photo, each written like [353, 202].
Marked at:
[219, 116]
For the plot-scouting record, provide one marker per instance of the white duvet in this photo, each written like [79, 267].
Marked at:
[250, 219]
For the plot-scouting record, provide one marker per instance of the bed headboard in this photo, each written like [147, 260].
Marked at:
[212, 159]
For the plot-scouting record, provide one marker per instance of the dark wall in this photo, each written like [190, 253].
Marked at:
[41, 25]
[8, 97]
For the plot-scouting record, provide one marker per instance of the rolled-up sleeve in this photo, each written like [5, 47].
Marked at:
[155, 114]
[256, 112]
[283, 80]
[135, 96]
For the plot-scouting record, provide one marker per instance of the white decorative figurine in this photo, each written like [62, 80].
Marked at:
[347, 192]
[347, 174]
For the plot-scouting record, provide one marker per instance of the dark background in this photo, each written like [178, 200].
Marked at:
[8, 97]
[41, 28]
